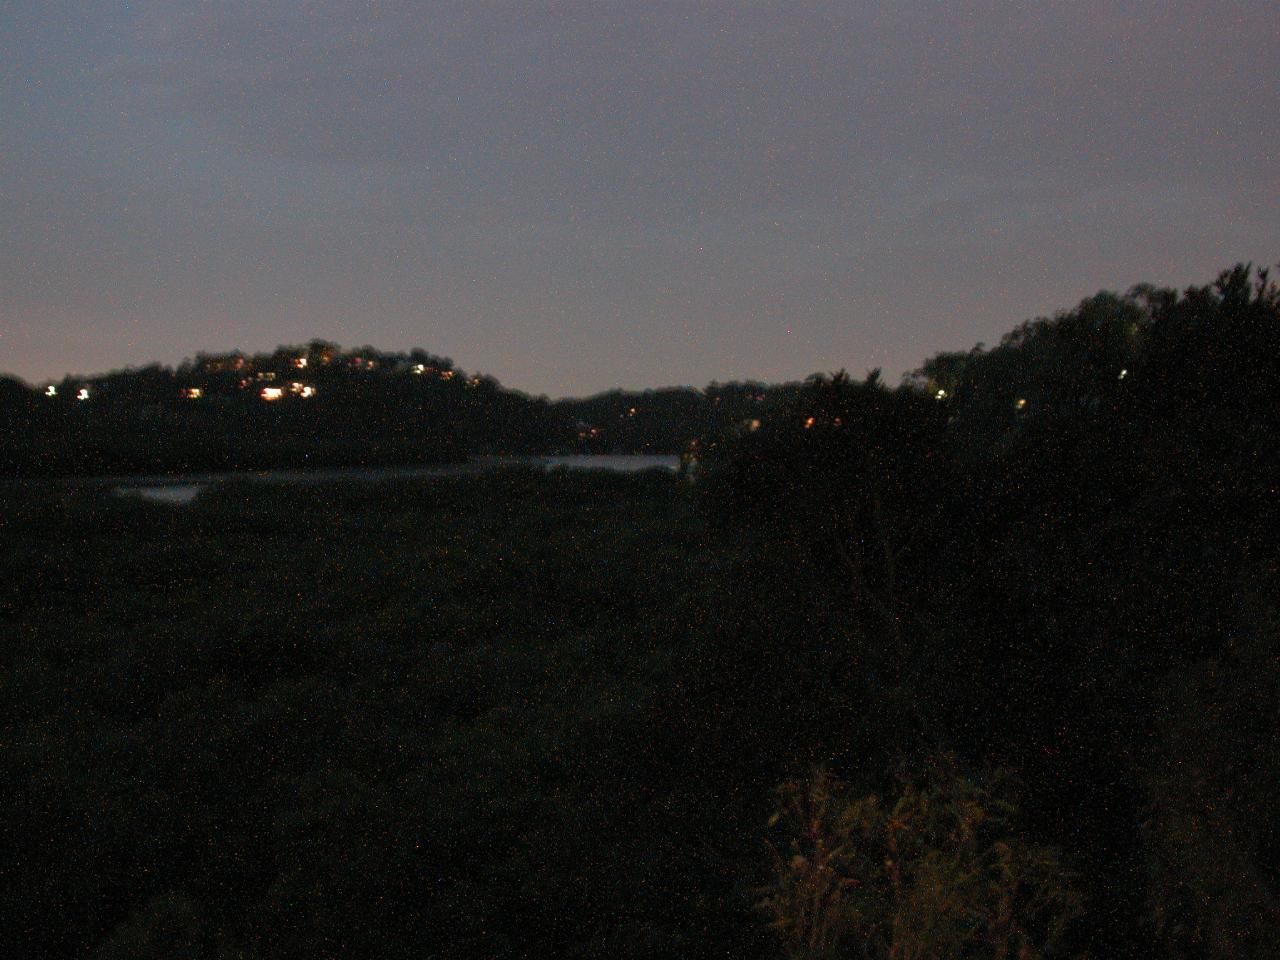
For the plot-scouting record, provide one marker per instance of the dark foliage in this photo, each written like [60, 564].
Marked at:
[1056, 567]
[527, 715]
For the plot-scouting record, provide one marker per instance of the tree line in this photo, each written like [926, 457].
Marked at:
[979, 665]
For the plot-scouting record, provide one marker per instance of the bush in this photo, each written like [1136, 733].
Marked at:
[938, 869]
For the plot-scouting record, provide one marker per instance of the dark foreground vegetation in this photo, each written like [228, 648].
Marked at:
[984, 666]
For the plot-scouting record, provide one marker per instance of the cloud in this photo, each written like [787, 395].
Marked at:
[782, 101]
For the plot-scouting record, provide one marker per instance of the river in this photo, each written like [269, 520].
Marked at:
[184, 489]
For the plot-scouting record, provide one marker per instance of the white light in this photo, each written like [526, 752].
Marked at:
[1123, 374]
[83, 394]
[941, 394]
[51, 391]
[419, 368]
[272, 393]
[308, 392]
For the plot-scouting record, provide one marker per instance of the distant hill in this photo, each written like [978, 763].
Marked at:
[322, 405]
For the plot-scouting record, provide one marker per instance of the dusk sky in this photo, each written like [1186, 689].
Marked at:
[572, 196]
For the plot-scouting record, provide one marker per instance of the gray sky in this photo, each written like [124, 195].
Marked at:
[578, 195]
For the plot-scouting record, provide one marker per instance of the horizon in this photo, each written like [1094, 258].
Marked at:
[889, 377]
[678, 194]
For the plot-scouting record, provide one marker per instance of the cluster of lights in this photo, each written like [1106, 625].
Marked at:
[192, 393]
[52, 391]
[1020, 403]
[940, 395]
[219, 364]
[422, 369]
[303, 390]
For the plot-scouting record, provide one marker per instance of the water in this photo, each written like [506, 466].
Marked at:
[618, 463]
[176, 493]
[183, 490]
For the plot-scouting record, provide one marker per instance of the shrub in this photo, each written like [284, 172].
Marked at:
[938, 870]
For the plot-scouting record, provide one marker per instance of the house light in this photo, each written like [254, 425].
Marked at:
[51, 391]
[272, 393]
[753, 425]
[83, 394]
[307, 393]
[631, 411]
[940, 395]
[809, 422]
[1123, 373]
[299, 362]
[419, 368]
[193, 393]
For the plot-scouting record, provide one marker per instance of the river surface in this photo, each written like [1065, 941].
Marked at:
[184, 489]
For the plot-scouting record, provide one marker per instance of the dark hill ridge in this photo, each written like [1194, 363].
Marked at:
[321, 405]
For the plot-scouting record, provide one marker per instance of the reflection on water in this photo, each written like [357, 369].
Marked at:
[620, 463]
[186, 489]
[177, 493]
